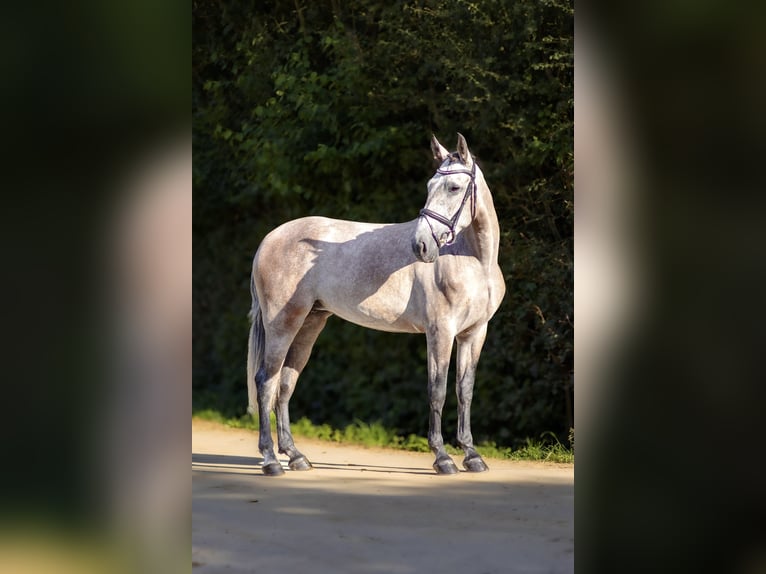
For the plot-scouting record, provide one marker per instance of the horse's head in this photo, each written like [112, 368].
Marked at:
[449, 190]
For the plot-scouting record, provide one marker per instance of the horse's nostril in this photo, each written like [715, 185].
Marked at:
[419, 248]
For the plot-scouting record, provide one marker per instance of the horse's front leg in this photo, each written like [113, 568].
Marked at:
[468, 350]
[439, 353]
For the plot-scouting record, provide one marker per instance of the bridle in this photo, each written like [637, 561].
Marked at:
[470, 191]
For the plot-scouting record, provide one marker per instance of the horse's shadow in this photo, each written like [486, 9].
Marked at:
[223, 463]
[226, 461]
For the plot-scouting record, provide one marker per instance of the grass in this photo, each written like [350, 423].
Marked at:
[548, 448]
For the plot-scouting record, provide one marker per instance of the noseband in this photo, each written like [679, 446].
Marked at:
[470, 191]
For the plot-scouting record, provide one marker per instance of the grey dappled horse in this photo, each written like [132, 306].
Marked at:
[437, 274]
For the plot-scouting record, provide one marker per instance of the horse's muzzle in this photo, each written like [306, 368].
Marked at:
[425, 249]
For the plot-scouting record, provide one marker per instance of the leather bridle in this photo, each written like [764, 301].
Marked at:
[451, 223]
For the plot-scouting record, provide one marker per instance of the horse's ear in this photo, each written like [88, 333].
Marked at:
[462, 150]
[440, 153]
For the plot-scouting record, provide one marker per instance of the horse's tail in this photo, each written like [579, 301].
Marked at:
[255, 348]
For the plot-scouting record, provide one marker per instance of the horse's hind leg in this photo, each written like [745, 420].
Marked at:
[279, 335]
[296, 360]
[266, 382]
[468, 350]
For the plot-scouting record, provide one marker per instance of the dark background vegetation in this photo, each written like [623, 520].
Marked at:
[326, 108]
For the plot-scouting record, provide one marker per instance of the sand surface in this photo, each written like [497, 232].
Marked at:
[373, 510]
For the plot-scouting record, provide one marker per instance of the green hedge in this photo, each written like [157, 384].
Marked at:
[316, 108]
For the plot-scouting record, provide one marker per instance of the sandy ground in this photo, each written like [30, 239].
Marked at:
[373, 510]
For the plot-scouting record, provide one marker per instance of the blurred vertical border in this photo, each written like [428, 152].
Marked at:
[96, 290]
[669, 218]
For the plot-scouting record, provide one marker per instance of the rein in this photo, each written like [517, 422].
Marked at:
[470, 191]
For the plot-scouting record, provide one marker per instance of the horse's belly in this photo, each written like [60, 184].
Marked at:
[399, 325]
[384, 310]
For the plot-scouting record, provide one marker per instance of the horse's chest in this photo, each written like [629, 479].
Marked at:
[463, 298]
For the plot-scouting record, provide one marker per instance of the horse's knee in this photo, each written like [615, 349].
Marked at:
[464, 396]
[437, 394]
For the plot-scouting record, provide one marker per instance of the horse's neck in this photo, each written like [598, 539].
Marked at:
[484, 235]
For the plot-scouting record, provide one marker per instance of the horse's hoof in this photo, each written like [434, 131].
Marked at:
[300, 463]
[475, 464]
[445, 466]
[273, 469]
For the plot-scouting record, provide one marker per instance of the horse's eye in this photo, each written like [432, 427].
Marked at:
[455, 188]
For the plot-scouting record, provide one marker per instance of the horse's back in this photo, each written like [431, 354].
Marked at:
[300, 242]
[362, 272]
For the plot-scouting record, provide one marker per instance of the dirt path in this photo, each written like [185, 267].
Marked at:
[372, 510]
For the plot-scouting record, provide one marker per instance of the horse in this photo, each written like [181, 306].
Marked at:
[437, 275]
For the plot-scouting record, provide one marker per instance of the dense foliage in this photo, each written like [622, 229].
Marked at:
[327, 108]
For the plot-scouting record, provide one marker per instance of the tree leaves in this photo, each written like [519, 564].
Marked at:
[312, 109]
